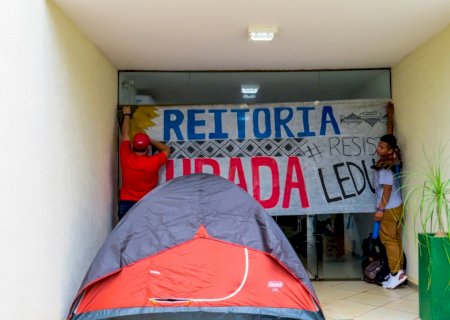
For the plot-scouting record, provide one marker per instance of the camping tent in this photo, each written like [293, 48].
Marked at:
[196, 247]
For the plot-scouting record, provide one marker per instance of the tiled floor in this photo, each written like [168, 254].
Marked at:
[358, 300]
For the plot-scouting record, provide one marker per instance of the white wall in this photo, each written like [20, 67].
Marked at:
[421, 94]
[57, 161]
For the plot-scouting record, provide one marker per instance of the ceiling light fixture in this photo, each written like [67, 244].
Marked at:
[249, 88]
[262, 33]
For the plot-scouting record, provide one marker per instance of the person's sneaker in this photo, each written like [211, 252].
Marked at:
[395, 281]
[386, 281]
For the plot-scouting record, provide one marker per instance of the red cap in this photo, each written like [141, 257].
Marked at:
[141, 141]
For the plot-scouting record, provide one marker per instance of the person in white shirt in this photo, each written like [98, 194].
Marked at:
[390, 207]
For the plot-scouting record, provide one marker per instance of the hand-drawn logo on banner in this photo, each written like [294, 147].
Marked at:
[370, 117]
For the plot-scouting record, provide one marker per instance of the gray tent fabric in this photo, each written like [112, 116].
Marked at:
[212, 313]
[172, 213]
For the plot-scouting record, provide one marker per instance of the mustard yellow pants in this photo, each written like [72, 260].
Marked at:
[390, 236]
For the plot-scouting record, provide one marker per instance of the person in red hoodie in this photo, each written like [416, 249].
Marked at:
[139, 170]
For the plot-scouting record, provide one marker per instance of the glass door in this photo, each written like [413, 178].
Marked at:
[329, 245]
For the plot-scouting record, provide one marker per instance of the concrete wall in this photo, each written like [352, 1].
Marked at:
[421, 94]
[57, 161]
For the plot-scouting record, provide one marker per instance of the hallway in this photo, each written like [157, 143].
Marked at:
[358, 300]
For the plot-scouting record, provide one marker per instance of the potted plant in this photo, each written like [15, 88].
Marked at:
[427, 202]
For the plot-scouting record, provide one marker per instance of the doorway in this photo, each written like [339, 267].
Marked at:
[329, 245]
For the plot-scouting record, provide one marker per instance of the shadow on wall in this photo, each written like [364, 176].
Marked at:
[83, 103]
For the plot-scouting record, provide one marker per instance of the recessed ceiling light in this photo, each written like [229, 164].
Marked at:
[249, 88]
[262, 32]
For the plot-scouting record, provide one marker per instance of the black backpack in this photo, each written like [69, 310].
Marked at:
[374, 264]
[376, 272]
[375, 267]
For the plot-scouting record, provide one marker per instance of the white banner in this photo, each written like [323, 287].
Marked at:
[294, 158]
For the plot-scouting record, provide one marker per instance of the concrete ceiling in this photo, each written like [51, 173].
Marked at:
[212, 34]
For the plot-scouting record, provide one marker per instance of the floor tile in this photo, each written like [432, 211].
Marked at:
[359, 286]
[387, 314]
[325, 300]
[325, 284]
[413, 296]
[398, 292]
[358, 300]
[332, 315]
[371, 299]
[349, 308]
[334, 293]
[404, 305]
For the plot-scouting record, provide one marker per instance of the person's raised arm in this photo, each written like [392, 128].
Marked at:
[126, 123]
[161, 147]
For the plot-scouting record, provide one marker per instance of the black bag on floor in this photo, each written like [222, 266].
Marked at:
[375, 267]
[376, 272]
[374, 264]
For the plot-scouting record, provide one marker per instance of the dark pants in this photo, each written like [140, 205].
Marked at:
[124, 206]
